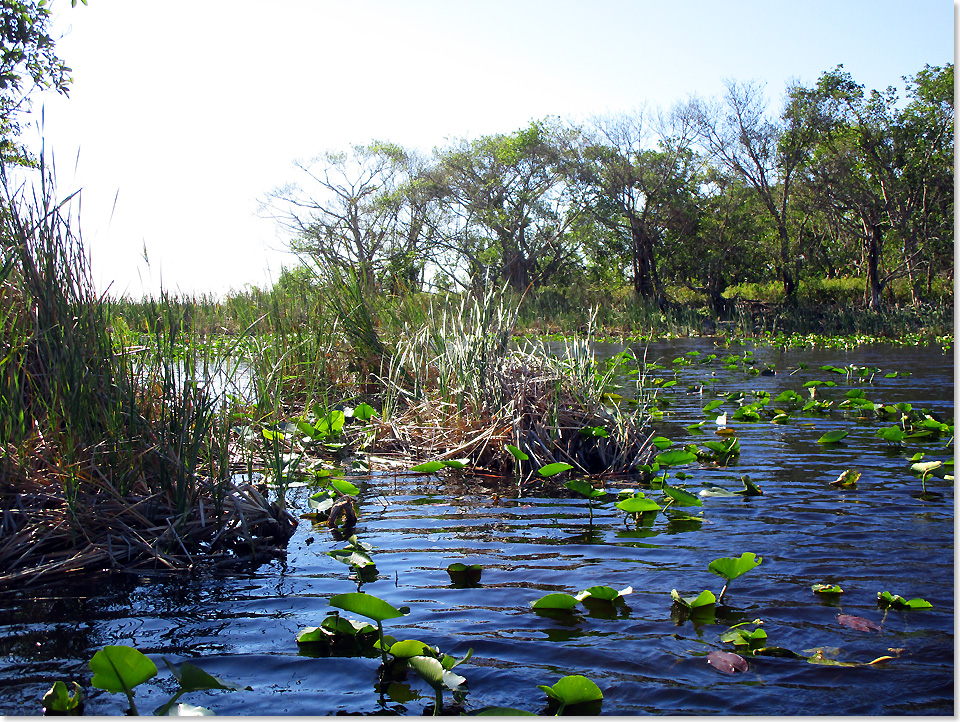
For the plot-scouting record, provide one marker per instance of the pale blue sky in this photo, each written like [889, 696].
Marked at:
[187, 112]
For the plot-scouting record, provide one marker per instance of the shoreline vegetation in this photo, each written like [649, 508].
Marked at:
[164, 434]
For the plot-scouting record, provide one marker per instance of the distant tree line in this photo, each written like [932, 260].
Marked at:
[838, 182]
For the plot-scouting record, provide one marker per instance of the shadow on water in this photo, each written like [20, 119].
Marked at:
[880, 535]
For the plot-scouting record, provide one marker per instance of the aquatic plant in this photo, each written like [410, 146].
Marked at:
[740, 636]
[895, 601]
[121, 668]
[730, 568]
[59, 700]
[371, 607]
[437, 672]
[114, 454]
[584, 488]
[465, 575]
[572, 690]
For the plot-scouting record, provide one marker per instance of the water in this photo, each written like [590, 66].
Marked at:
[879, 536]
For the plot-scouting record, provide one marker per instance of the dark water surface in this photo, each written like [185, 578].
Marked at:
[878, 536]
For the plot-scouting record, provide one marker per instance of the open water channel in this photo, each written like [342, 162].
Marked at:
[881, 535]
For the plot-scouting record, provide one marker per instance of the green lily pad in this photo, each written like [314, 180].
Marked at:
[367, 605]
[119, 668]
[557, 600]
[730, 568]
[674, 457]
[832, 437]
[886, 599]
[681, 497]
[637, 505]
[554, 469]
[703, 599]
[573, 689]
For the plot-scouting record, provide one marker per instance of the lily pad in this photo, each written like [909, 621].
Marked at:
[608, 594]
[557, 600]
[886, 599]
[119, 668]
[859, 623]
[727, 662]
[673, 457]
[554, 469]
[730, 567]
[832, 437]
[573, 689]
[368, 606]
[705, 598]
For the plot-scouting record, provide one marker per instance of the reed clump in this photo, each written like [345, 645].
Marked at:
[113, 456]
[458, 389]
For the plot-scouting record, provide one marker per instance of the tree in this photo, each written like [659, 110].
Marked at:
[510, 204]
[718, 252]
[890, 166]
[28, 61]
[640, 180]
[362, 212]
[764, 153]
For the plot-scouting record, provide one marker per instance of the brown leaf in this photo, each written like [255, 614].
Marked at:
[727, 662]
[858, 623]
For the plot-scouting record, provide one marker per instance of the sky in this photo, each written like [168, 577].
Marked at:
[184, 115]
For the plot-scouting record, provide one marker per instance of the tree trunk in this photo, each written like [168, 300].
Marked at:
[644, 262]
[874, 239]
[788, 279]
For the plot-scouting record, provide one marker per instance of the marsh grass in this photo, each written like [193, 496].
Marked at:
[457, 388]
[113, 455]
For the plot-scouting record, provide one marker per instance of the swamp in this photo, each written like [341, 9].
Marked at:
[489, 522]
[648, 415]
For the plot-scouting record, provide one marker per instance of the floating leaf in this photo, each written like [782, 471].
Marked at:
[366, 605]
[434, 674]
[727, 662]
[749, 488]
[886, 599]
[717, 403]
[344, 487]
[730, 568]
[673, 457]
[554, 469]
[712, 490]
[428, 467]
[858, 623]
[637, 505]
[585, 488]
[826, 589]
[926, 466]
[119, 668]
[608, 594]
[681, 497]
[464, 574]
[742, 637]
[573, 689]
[704, 599]
[59, 701]
[557, 600]
[847, 478]
[832, 437]
[406, 648]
